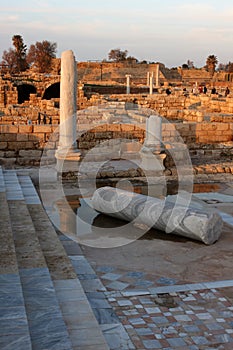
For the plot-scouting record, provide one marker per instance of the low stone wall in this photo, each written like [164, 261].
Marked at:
[24, 144]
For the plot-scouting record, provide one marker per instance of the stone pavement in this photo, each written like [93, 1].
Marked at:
[53, 296]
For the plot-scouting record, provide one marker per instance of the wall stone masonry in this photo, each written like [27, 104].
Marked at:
[24, 143]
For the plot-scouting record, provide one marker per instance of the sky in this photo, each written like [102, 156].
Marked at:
[166, 31]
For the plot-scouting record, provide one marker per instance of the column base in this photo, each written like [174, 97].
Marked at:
[152, 162]
[67, 160]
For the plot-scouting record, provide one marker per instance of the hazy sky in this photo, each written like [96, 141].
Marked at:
[168, 31]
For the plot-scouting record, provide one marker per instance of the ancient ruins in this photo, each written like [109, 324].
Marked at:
[149, 148]
[30, 113]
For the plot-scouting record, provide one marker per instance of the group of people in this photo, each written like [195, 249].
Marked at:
[44, 118]
[203, 89]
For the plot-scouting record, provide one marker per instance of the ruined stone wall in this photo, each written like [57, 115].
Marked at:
[24, 144]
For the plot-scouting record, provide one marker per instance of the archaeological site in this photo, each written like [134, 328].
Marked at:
[116, 198]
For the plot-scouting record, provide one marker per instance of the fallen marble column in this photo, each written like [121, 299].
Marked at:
[164, 215]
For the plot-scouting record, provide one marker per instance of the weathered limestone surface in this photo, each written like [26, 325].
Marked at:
[191, 222]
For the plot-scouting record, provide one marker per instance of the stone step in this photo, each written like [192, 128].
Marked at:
[46, 325]
[14, 329]
[84, 330]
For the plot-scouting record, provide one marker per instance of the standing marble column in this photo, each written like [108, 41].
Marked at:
[128, 76]
[148, 79]
[151, 154]
[153, 138]
[151, 84]
[157, 85]
[67, 149]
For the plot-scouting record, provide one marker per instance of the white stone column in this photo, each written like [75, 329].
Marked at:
[151, 84]
[157, 85]
[153, 138]
[67, 148]
[128, 76]
[148, 79]
[151, 154]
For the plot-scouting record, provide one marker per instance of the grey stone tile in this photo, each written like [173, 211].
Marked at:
[99, 303]
[9, 279]
[176, 342]
[105, 316]
[13, 326]
[151, 344]
[34, 273]
[93, 285]
[105, 268]
[11, 299]
[80, 306]
[52, 341]
[96, 295]
[72, 248]
[81, 265]
[68, 284]
[117, 337]
[160, 320]
[200, 340]
[111, 276]
[117, 285]
[13, 342]
[12, 312]
[78, 320]
[134, 293]
[87, 337]
[70, 295]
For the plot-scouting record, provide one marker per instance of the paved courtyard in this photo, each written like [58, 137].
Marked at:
[158, 292]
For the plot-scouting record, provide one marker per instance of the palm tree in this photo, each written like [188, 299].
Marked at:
[211, 63]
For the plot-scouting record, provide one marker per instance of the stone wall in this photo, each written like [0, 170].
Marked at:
[24, 144]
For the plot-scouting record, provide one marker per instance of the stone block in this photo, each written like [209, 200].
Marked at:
[30, 153]
[25, 129]
[42, 128]
[127, 127]
[22, 137]
[114, 127]
[3, 145]
[36, 137]
[14, 145]
[9, 129]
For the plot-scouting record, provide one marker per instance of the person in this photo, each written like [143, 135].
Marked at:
[213, 91]
[205, 90]
[39, 118]
[227, 91]
[44, 119]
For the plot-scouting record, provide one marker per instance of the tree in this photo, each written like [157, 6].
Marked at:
[9, 59]
[117, 55]
[211, 63]
[229, 67]
[132, 59]
[16, 58]
[40, 55]
[190, 64]
[222, 67]
[185, 66]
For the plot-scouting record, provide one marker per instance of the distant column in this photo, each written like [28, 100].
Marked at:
[151, 84]
[157, 76]
[148, 79]
[128, 76]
